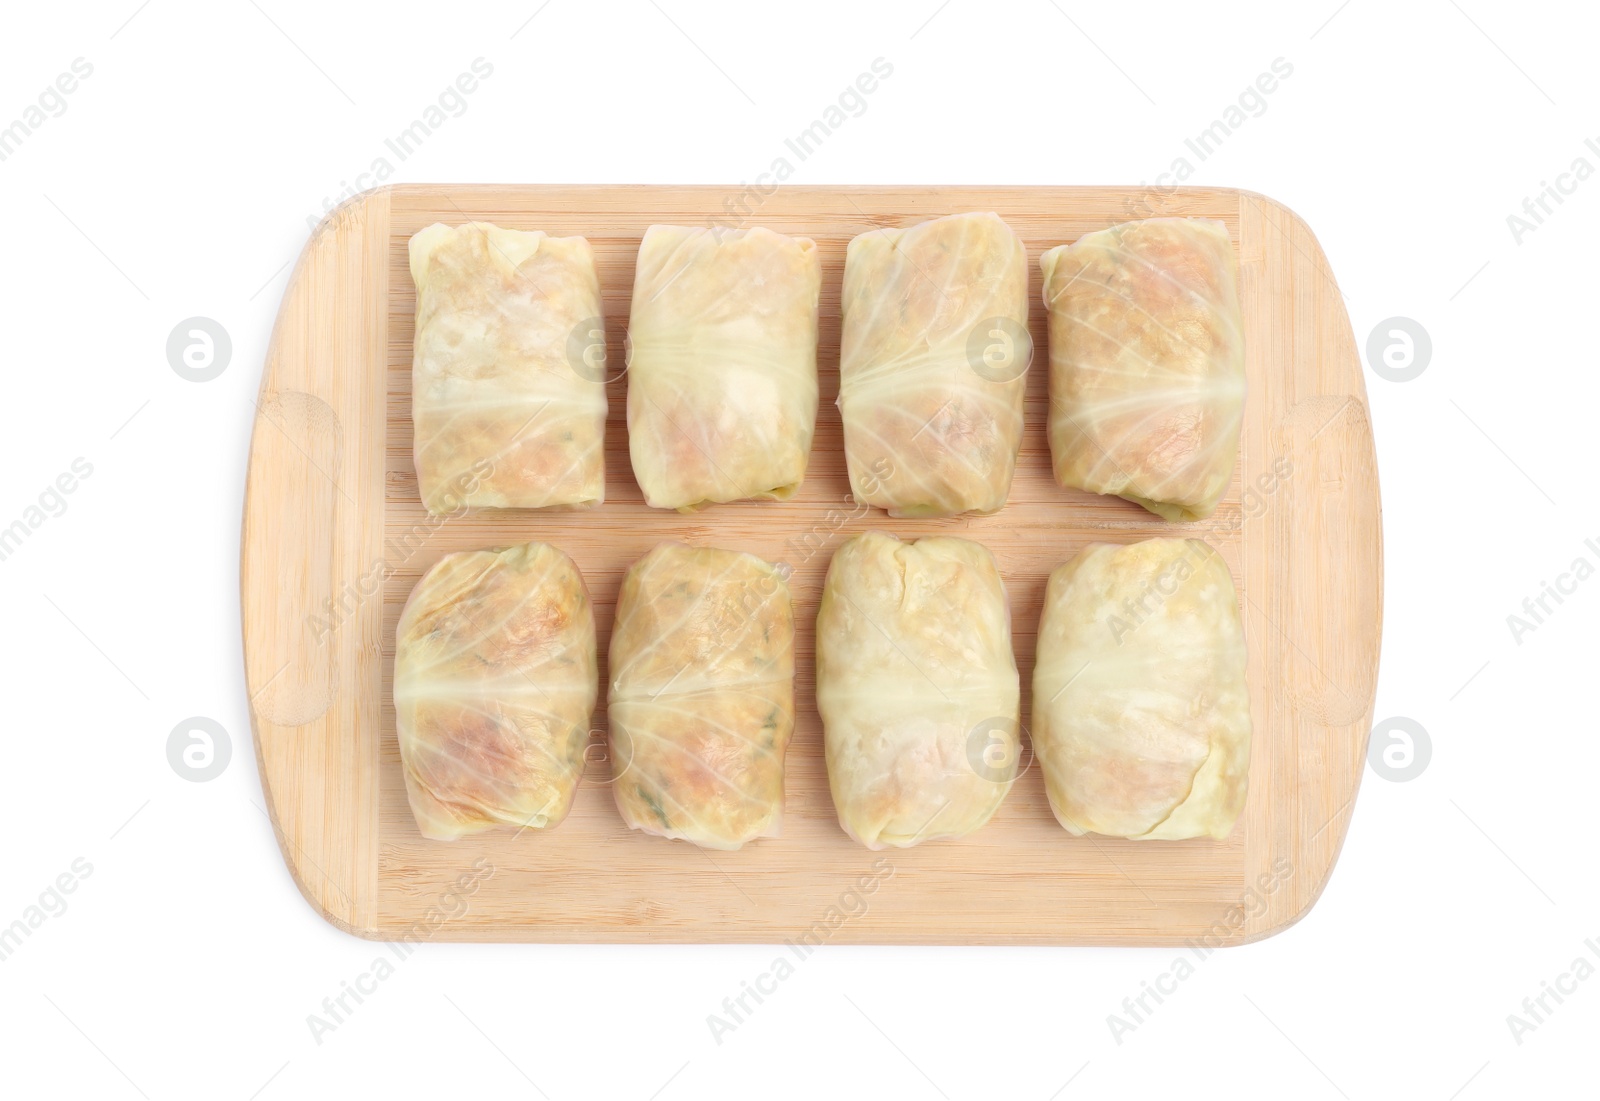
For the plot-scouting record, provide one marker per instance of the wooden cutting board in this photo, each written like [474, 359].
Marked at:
[335, 537]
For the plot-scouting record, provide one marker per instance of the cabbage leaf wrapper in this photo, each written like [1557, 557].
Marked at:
[1141, 717]
[508, 401]
[933, 361]
[917, 688]
[722, 365]
[702, 695]
[495, 680]
[1147, 363]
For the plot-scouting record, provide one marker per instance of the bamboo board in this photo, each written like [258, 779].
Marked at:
[335, 537]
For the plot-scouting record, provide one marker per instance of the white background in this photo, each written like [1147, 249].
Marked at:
[178, 182]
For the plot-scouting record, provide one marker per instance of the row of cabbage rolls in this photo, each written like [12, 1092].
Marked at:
[1141, 720]
[1146, 365]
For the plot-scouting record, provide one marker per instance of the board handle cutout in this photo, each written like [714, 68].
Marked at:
[290, 669]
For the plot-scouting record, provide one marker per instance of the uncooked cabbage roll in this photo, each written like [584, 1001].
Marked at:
[508, 405]
[495, 678]
[917, 688]
[933, 361]
[1141, 720]
[722, 365]
[702, 695]
[1147, 363]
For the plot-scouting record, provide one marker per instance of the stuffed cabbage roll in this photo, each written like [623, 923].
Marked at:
[722, 365]
[508, 412]
[702, 695]
[917, 688]
[1141, 719]
[495, 679]
[1147, 363]
[933, 361]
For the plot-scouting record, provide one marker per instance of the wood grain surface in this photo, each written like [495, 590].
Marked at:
[335, 537]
